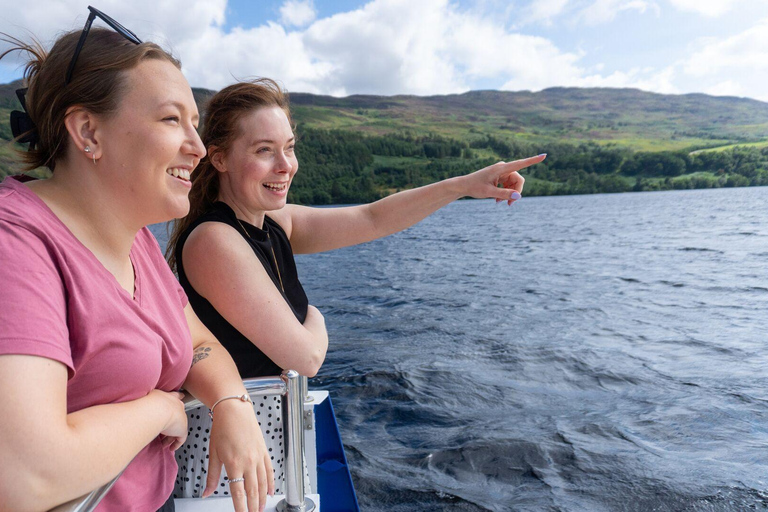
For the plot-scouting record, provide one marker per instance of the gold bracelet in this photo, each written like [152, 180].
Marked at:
[243, 398]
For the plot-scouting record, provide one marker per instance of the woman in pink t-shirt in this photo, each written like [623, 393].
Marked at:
[96, 335]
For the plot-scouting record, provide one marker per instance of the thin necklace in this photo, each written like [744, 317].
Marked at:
[279, 277]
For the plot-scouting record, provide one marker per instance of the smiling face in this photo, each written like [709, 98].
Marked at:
[150, 145]
[257, 171]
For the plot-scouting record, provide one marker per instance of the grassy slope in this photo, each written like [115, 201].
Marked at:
[757, 145]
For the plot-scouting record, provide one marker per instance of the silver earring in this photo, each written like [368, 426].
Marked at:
[87, 149]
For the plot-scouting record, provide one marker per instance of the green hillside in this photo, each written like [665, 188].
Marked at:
[360, 148]
[628, 117]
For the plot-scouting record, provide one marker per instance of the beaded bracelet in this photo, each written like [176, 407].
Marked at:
[243, 398]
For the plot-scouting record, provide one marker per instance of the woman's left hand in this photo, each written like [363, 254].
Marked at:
[236, 441]
[485, 183]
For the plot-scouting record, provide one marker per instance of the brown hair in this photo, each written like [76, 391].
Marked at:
[97, 84]
[221, 123]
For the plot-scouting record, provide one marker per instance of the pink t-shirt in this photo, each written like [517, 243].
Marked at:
[58, 301]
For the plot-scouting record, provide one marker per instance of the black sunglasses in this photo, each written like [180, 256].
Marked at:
[87, 28]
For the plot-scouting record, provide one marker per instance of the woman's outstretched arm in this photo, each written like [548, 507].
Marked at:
[322, 229]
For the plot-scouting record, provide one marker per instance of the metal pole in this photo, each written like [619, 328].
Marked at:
[88, 502]
[293, 412]
[305, 389]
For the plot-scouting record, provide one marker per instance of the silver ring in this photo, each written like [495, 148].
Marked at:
[233, 480]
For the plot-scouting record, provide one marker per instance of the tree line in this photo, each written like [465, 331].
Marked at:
[338, 167]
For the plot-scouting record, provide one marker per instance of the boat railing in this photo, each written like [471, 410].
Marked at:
[292, 388]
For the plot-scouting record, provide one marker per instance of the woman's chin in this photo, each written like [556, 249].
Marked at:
[176, 210]
[276, 203]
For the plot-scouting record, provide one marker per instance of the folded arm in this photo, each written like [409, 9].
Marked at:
[222, 267]
[47, 456]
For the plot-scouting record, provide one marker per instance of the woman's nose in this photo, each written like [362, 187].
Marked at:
[195, 145]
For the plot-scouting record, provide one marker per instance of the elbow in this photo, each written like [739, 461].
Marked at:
[25, 491]
[312, 366]
[310, 372]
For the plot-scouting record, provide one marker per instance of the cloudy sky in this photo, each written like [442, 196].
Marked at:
[424, 47]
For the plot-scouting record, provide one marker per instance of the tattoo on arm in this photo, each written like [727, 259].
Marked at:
[200, 354]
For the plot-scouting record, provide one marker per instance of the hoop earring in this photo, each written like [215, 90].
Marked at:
[87, 149]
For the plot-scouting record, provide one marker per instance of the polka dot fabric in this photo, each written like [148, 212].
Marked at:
[192, 457]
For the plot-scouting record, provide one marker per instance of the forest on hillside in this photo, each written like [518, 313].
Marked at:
[346, 167]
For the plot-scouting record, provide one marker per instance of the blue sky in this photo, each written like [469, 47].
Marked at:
[427, 47]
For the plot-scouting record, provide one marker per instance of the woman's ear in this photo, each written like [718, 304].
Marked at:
[81, 126]
[217, 159]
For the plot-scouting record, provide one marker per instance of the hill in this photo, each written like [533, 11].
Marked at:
[598, 140]
[630, 117]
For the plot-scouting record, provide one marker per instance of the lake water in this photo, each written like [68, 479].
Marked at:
[577, 353]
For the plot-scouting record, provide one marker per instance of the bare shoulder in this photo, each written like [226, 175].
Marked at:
[213, 240]
[285, 217]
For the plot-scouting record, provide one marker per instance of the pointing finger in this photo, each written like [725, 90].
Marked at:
[521, 164]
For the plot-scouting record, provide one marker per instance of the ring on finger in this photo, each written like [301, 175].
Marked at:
[235, 480]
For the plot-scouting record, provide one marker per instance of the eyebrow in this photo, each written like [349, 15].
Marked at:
[267, 141]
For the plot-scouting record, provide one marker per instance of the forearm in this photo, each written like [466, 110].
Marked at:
[323, 229]
[401, 210]
[213, 374]
[43, 464]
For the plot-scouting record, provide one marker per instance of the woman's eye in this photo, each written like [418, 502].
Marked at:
[291, 147]
[174, 119]
[263, 150]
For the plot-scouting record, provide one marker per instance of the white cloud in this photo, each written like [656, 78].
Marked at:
[649, 79]
[605, 11]
[383, 47]
[744, 52]
[390, 47]
[735, 65]
[297, 13]
[430, 47]
[414, 47]
[726, 88]
[710, 8]
[168, 22]
[544, 11]
[216, 58]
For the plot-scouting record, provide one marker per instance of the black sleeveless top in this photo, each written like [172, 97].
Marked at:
[250, 361]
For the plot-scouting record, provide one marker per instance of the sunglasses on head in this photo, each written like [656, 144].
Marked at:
[95, 13]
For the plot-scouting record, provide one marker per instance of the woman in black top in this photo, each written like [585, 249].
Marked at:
[281, 269]
[234, 251]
